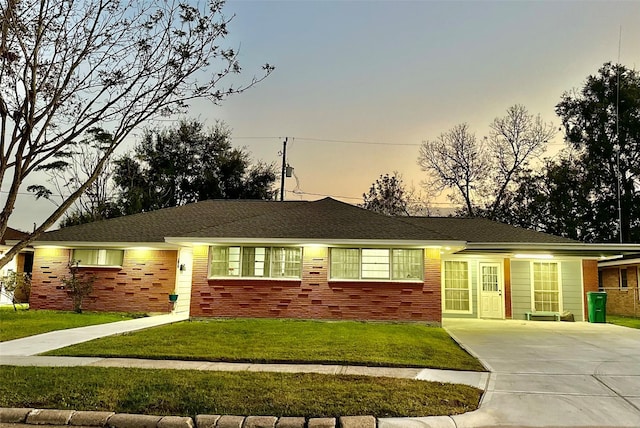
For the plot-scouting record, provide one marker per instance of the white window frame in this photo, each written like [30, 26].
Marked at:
[102, 255]
[469, 287]
[389, 278]
[559, 265]
[237, 264]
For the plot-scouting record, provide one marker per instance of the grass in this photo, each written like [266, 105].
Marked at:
[187, 393]
[624, 321]
[288, 341]
[23, 323]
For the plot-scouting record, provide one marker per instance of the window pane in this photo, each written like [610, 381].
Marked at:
[545, 287]
[375, 263]
[85, 257]
[456, 286]
[113, 257]
[225, 261]
[98, 257]
[255, 261]
[407, 264]
[345, 263]
[286, 262]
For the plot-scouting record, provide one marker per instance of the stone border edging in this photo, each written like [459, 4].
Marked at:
[32, 416]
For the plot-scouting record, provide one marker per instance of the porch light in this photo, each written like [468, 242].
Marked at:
[534, 256]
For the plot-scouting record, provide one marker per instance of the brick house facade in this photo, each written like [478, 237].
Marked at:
[217, 256]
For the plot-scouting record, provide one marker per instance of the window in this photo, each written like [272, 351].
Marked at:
[624, 279]
[255, 262]
[376, 264]
[457, 294]
[546, 290]
[98, 257]
[345, 263]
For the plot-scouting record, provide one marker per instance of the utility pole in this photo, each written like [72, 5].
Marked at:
[284, 167]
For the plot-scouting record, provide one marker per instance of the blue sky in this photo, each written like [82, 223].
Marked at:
[400, 72]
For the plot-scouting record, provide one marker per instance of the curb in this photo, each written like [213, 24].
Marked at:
[90, 419]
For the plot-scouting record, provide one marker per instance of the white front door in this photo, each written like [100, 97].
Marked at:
[491, 284]
[183, 281]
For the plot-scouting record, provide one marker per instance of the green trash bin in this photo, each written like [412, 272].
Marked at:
[597, 306]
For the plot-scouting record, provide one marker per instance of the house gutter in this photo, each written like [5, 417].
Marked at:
[578, 248]
[322, 242]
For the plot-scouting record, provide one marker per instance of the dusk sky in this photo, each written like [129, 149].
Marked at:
[397, 73]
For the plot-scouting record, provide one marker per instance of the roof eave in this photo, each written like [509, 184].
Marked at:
[312, 241]
[103, 244]
[578, 248]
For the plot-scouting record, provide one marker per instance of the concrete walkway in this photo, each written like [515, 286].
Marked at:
[34, 345]
[548, 374]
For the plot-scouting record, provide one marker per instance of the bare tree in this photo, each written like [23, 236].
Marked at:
[514, 140]
[481, 171]
[70, 66]
[456, 159]
[74, 169]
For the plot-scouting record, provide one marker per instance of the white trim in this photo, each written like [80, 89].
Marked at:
[360, 279]
[532, 284]
[578, 247]
[107, 245]
[619, 262]
[383, 243]
[583, 295]
[442, 287]
[501, 283]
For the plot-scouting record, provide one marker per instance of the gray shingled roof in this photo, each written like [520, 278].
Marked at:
[486, 231]
[323, 219]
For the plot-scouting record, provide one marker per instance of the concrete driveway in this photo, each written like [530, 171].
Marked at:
[548, 374]
[554, 374]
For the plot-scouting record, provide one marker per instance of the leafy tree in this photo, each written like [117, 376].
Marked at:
[79, 284]
[553, 199]
[481, 172]
[387, 195]
[602, 121]
[185, 164]
[69, 66]
[14, 284]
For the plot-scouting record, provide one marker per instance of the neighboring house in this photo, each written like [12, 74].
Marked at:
[620, 278]
[21, 263]
[323, 259]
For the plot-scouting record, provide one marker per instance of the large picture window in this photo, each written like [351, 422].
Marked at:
[457, 293]
[98, 257]
[376, 264]
[546, 290]
[255, 262]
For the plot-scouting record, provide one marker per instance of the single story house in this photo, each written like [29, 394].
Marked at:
[620, 278]
[320, 259]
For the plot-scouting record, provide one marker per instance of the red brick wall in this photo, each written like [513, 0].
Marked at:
[141, 285]
[589, 280]
[315, 296]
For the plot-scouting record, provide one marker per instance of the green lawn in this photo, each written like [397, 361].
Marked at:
[292, 341]
[187, 393]
[624, 321]
[22, 323]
